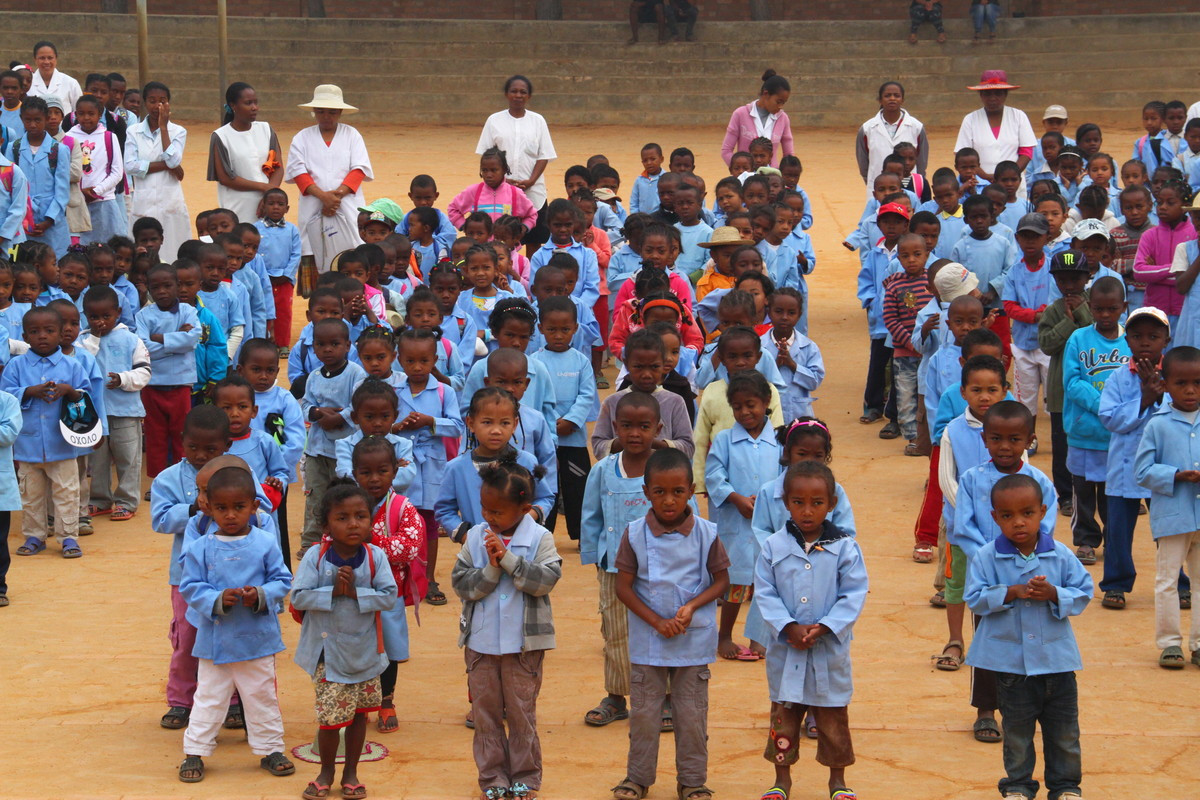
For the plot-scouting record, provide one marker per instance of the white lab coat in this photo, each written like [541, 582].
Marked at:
[320, 236]
[61, 85]
[158, 194]
[525, 141]
[1015, 132]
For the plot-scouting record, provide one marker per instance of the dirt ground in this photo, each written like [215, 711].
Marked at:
[85, 644]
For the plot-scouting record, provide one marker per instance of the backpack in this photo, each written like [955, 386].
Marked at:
[6, 176]
[451, 444]
[298, 614]
[417, 584]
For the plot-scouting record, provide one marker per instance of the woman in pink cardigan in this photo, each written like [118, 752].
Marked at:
[764, 117]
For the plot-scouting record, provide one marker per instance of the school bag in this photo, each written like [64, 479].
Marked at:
[417, 581]
[298, 614]
[16, 159]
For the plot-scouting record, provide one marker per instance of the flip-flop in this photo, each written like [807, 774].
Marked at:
[121, 515]
[746, 654]
[315, 791]
[277, 764]
[192, 764]
[810, 725]
[1113, 600]
[843, 794]
[870, 416]
[387, 722]
[774, 793]
[354, 790]
[96, 511]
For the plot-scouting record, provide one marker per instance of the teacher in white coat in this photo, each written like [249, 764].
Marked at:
[328, 163]
[996, 131]
[48, 81]
[878, 136]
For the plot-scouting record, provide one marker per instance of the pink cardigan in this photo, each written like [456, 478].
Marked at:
[742, 131]
[1152, 264]
[505, 199]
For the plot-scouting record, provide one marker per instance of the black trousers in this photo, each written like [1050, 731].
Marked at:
[1059, 474]
[879, 394]
[5, 556]
[282, 520]
[574, 464]
[1091, 503]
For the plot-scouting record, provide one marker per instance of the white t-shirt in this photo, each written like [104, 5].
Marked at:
[1015, 132]
[525, 141]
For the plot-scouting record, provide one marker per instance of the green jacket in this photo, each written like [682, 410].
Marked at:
[1054, 329]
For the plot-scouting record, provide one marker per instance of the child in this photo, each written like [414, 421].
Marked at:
[48, 172]
[103, 171]
[326, 402]
[423, 226]
[42, 378]
[721, 245]
[494, 195]
[341, 647]
[1148, 148]
[212, 354]
[1089, 357]
[1092, 239]
[644, 358]
[903, 295]
[1045, 154]
[1137, 205]
[423, 193]
[235, 579]
[810, 557]
[1174, 118]
[1156, 249]
[693, 231]
[1026, 294]
[236, 397]
[949, 211]
[562, 215]
[1069, 180]
[671, 568]
[1024, 587]
[893, 221]
[613, 499]
[423, 312]
[771, 228]
[644, 197]
[279, 246]
[576, 403]
[797, 357]
[734, 470]
[125, 362]
[1054, 208]
[478, 304]
[219, 295]
[375, 352]
[170, 330]
[988, 255]
[508, 369]
[511, 325]
[324, 303]
[10, 493]
[504, 574]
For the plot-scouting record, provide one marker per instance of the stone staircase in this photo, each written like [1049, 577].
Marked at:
[1103, 68]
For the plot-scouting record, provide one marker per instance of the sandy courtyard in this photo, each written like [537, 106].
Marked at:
[85, 642]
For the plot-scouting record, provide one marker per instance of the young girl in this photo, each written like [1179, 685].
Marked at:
[244, 156]
[651, 286]
[423, 312]
[1088, 139]
[769, 229]
[47, 165]
[679, 365]
[446, 283]
[375, 350]
[660, 248]
[511, 326]
[155, 148]
[73, 277]
[627, 259]
[106, 270]
[563, 216]
[477, 227]
[727, 196]
[798, 357]
[761, 151]
[342, 642]
[398, 530]
[103, 169]
[504, 574]
[493, 195]
[509, 231]
[911, 180]
[760, 288]
[41, 257]
[27, 285]
[505, 279]
[740, 461]
[478, 304]
[808, 662]
[1156, 250]
[430, 418]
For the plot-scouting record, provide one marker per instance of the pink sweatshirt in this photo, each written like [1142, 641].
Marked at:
[1152, 264]
[504, 199]
[681, 287]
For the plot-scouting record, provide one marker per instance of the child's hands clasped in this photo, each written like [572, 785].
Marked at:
[744, 505]
[414, 421]
[231, 597]
[329, 418]
[1042, 590]
[1188, 475]
[803, 637]
[343, 583]
[494, 547]
[250, 596]
[670, 628]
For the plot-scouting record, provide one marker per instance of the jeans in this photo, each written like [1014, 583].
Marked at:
[1049, 700]
[917, 14]
[985, 13]
[904, 375]
[675, 15]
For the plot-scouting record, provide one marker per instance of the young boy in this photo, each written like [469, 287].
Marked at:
[324, 303]
[877, 400]
[576, 404]
[1054, 208]
[96, 390]
[1090, 356]
[692, 231]
[124, 361]
[949, 211]
[1148, 148]
[326, 404]
[235, 396]
[644, 197]
[219, 296]
[613, 498]
[42, 378]
[904, 293]
[424, 225]
[966, 164]
[989, 255]
[171, 332]
[1070, 171]
[671, 568]
[235, 579]
[1174, 119]
[1091, 238]
[423, 193]
[244, 284]
[212, 354]
[1166, 465]
[562, 216]
[1136, 208]
[1026, 294]
[279, 246]
[1025, 587]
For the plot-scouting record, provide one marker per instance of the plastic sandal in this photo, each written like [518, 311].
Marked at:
[97, 511]
[277, 764]
[628, 790]
[387, 722]
[434, 595]
[948, 663]
[192, 764]
[70, 549]
[922, 554]
[774, 793]
[315, 791]
[987, 731]
[1113, 600]
[843, 794]
[810, 725]
[606, 713]
[32, 547]
[235, 718]
[1172, 658]
[176, 718]
[668, 721]
[693, 792]
[121, 515]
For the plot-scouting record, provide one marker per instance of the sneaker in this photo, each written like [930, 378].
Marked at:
[284, 352]
[1066, 508]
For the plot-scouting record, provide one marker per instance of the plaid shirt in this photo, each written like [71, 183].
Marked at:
[1126, 240]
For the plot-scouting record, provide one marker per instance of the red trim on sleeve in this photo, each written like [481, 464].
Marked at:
[304, 182]
[1025, 151]
[354, 179]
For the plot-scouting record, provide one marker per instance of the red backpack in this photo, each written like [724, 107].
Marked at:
[417, 581]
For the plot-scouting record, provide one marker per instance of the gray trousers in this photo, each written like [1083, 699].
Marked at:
[319, 472]
[122, 449]
[689, 712]
[505, 689]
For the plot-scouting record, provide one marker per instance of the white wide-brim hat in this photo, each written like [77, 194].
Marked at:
[327, 95]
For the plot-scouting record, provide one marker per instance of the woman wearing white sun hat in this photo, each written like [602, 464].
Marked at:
[328, 163]
[997, 131]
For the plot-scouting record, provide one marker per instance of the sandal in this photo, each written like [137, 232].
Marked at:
[3, 600]
[890, 431]
[315, 791]
[434, 595]
[85, 526]
[746, 654]
[810, 725]
[922, 553]
[668, 722]
[774, 793]
[948, 663]
[176, 718]
[987, 731]
[939, 599]
[470, 720]
[843, 794]
[277, 764]
[1113, 600]
[70, 549]
[1185, 601]
[1086, 554]
[693, 792]
[96, 511]
[387, 722]
[235, 718]
[606, 713]
[121, 515]
[1171, 658]
[628, 790]
[32, 547]
[870, 416]
[602, 382]
[354, 790]
[519, 791]
[191, 764]
[495, 793]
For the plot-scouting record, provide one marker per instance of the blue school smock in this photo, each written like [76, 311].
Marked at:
[462, 337]
[49, 190]
[1121, 412]
[963, 437]
[644, 196]
[973, 526]
[302, 359]
[342, 631]
[739, 462]
[13, 204]
[801, 382]
[210, 566]
[951, 405]
[402, 448]
[10, 428]
[251, 276]
[1029, 289]
[801, 243]
[870, 287]
[1012, 213]
[943, 371]
[1026, 637]
[11, 317]
[172, 493]
[41, 440]
[478, 309]
[611, 501]
[621, 267]
[826, 586]
[279, 247]
[1187, 330]
[226, 305]
[327, 388]
[1037, 162]
[262, 454]
[692, 256]
[587, 287]
[534, 435]
[928, 345]
[287, 424]
[539, 393]
[780, 263]
[429, 446]
[443, 237]
[706, 373]
[1170, 443]
[989, 259]
[576, 398]
[672, 569]
[458, 497]
[1088, 360]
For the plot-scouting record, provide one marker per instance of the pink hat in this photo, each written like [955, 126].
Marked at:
[993, 79]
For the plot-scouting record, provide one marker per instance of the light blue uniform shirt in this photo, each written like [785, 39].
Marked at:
[989, 259]
[324, 389]
[173, 362]
[644, 197]
[621, 267]
[801, 382]
[401, 447]
[279, 248]
[253, 277]
[973, 526]
[874, 269]
[706, 373]
[10, 428]
[443, 237]
[587, 287]
[467, 308]
[539, 393]
[950, 406]
[943, 372]
[1028, 289]
[41, 440]
[227, 306]
[263, 456]
[458, 499]
[278, 404]
[692, 257]
[587, 332]
[1122, 414]
[1186, 331]
[611, 501]
[49, 190]
[576, 398]
[780, 263]
[429, 447]
[1170, 443]
[302, 359]
[13, 204]
[738, 462]
[96, 388]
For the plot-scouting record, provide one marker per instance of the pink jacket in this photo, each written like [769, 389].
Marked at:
[742, 131]
[1152, 264]
[505, 199]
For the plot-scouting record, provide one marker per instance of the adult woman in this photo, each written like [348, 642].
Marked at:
[997, 132]
[48, 80]
[328, 163]
[523, 136]
[153, 156]
[764, 118]
[879, 135]
[243, 155]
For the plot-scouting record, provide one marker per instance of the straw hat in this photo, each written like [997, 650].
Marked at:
[993, 79]
[328, 95]
[725, 235]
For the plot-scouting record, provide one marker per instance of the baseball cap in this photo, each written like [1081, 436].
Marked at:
[1069, 261]
[1087, 228]
[1054, 112]
[953, 281]
[1035, 223]
[605, 194]
[894, 208]
[79, 422]
[53, 101]
[1148, 312]
[390, 210]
